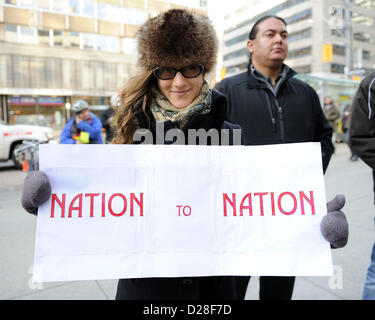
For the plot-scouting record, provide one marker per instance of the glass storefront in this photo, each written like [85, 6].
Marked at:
[43, 111]
[340, 90]
[49, 111]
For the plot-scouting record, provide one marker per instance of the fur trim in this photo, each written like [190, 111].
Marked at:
[177, 38]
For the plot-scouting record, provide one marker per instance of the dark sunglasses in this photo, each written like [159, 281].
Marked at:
[167, 73]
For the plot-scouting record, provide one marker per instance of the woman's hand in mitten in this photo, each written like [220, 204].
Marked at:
[36, 191]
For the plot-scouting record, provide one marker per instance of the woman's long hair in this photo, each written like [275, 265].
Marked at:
[136, 91]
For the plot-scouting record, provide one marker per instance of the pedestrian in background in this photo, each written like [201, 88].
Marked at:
[272, 107]
[83, 128]
[332, 114]
[362, 141]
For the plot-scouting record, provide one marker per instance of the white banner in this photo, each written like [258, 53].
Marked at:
[128, 211]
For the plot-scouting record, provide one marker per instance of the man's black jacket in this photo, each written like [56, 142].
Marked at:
[362, 122]
[290, 112]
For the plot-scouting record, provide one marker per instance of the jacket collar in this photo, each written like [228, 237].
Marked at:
[257, 80]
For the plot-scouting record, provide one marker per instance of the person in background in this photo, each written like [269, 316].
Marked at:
[107, 118]
[345, 119]
[332, 114]
[83, 128]
[362, 141]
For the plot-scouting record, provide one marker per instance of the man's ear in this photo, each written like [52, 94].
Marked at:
[250, 46]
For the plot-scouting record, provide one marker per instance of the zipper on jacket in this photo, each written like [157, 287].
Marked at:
[273, 120]
[281, 119]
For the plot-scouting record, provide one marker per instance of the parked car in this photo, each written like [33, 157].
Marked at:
[12, 136]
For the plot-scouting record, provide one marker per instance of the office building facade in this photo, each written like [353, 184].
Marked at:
[312, 25]
[53, 52]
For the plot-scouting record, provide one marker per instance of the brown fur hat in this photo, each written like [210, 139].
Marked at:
[177, 37]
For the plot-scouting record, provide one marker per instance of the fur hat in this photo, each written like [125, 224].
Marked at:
[177, 37]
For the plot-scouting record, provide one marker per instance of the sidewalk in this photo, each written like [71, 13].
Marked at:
[353, 179]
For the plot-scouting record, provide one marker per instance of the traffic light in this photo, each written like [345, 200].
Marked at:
[223, 73]
[327, 52]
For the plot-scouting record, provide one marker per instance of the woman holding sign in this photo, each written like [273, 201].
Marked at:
[170, 96]
[176, 50]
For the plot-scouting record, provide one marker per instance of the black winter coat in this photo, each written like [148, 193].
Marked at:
[184, 288]
[362, 122]
[288, 113]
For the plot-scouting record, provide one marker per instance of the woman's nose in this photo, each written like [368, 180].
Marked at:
[179, 79]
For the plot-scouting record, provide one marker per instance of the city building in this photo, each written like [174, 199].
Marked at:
[317, 40]
[53, 52]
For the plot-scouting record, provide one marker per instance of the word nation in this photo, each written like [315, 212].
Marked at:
[59, 204]
[259, 202]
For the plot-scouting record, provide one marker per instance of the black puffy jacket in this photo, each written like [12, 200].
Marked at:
[290, 112]
[362, 122]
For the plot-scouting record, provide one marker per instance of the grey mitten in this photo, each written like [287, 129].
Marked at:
[334, 226]
[36, 191]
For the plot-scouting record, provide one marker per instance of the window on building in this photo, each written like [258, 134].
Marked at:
[26, 3]
[236, 54]
[299, 53]
[129, 45]
[27, 35]
[43, 37]
[10, 33]
[134, 16]
[109, 12]
[364, 3]
[366, 55]
[89, 40]
[363, 37]
[242, 38]
[337, 68]
[358, 18]
[59, 5]
[58, 38]
[74, 6]
[338, 50]
[43, 4]
[337, 33]
[87, 8]
[300, 16]
[108, 43]
[74, 39]
[303, 34]
[303, 69]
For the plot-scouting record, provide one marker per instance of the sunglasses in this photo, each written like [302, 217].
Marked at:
[167, 73]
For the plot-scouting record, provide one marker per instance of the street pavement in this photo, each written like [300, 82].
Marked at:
[353, 179]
